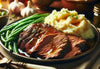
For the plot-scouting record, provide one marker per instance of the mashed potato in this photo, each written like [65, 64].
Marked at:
[70, 22]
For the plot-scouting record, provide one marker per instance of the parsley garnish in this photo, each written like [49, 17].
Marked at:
[71, 15]
[76, 17]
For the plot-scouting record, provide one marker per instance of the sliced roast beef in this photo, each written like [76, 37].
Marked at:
[75, 51]
[78, 45]
[26, 32]
[29, 32]
[55, 48]
[43, 40]
[43, 36]
[36, 44]
[78, 42]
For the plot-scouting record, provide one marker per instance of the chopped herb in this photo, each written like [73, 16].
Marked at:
[71, 15]
[76, 17]
[20, 39]
[39, 28]
[53, 13]
[33, 31]
[30, 40]
[66, 11]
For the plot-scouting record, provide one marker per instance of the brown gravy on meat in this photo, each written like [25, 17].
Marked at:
[53, 44]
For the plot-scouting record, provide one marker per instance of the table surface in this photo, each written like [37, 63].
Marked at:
[91, 61]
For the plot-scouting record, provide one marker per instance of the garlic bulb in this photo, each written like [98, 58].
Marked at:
[27, 11]
[16, 7]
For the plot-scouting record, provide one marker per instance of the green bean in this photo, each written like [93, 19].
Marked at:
[38, 20]
[35, 21]
[22, 28]
[10, 47]
[7, 34]
[21, 24]
[10, 33]
[3, 34]
[41, 15]
[33, 17]
[10, 39]
[9, 27]
[6, 44]
[29, 18]
[3, 39]
[17, 31]
[15, 49]
[13, 24]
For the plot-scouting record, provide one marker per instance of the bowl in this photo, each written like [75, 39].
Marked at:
[18, 57]
[82, 6]
[3, 17]
[41, 3]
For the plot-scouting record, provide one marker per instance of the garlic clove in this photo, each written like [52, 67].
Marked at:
[16, 7]
[27, 11]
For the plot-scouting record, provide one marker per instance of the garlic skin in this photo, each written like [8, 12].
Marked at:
[27, 11]
[16, 7]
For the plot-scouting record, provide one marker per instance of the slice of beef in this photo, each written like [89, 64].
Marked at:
[43, 40]
[26, 32]
[36, 44]
[55, 48]
[24, 41]
[78, 42]
[78, 45]
[75, 51]
[43, 37]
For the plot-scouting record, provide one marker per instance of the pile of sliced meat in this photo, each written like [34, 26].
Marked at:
[44, 41]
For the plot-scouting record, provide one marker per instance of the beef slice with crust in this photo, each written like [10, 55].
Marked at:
[45, 39]
[78, 46]
[56, 48]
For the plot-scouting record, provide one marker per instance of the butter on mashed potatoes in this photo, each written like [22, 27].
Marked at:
[70, 22]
